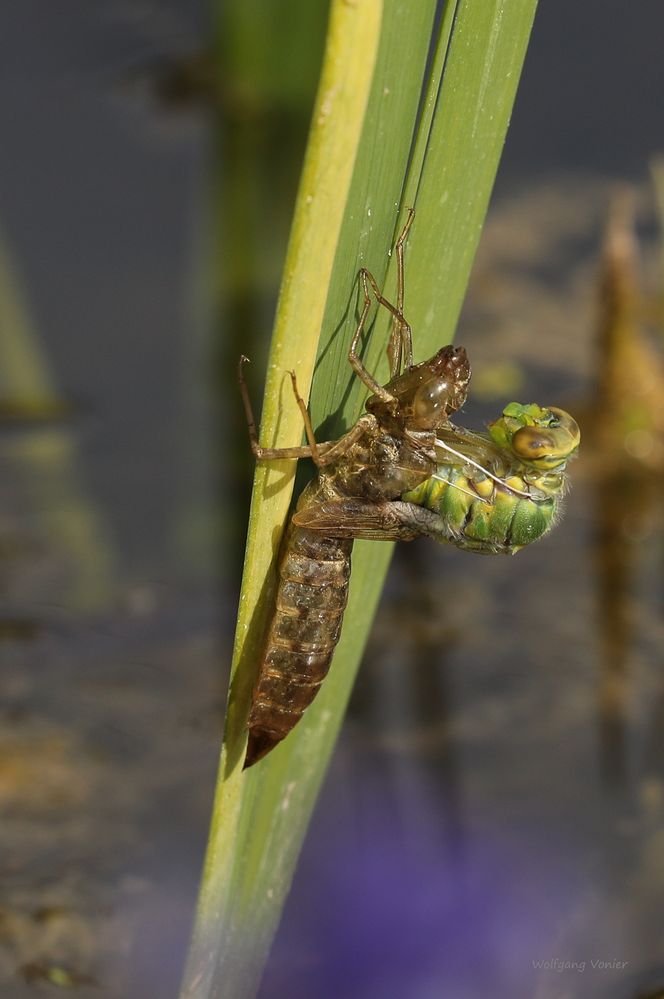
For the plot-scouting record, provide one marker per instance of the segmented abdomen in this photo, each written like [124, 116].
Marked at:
[476, 514]
[310, 603]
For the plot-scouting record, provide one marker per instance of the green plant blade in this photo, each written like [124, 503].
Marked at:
[345, 220]
[475, 102]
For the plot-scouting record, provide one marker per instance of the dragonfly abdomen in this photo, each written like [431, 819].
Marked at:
[477, 514]
[311, 598]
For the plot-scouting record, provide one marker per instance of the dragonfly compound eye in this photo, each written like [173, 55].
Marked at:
[567, 432]
[548, 447]
[532, 443]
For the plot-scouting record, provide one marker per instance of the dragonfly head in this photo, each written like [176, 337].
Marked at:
[540, 438]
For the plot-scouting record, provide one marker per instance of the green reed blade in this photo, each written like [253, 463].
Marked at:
[364, 151]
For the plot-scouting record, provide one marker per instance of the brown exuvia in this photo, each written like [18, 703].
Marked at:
[390, 450]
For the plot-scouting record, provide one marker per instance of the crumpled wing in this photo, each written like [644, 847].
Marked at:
[479, 448]
[352, 518]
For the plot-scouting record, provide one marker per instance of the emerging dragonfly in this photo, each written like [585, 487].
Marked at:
[404, 446]
[491, 493]
[500, 491]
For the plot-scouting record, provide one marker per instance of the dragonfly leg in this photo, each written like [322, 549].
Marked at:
[268, 453]
[321, 452]
[400, 346]
[401, 337]
[333, 450]
[308, 429]
[355, 361]
[329, 451]
[401, 340]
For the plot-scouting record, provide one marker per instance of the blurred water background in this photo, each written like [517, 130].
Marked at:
[493, 821]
